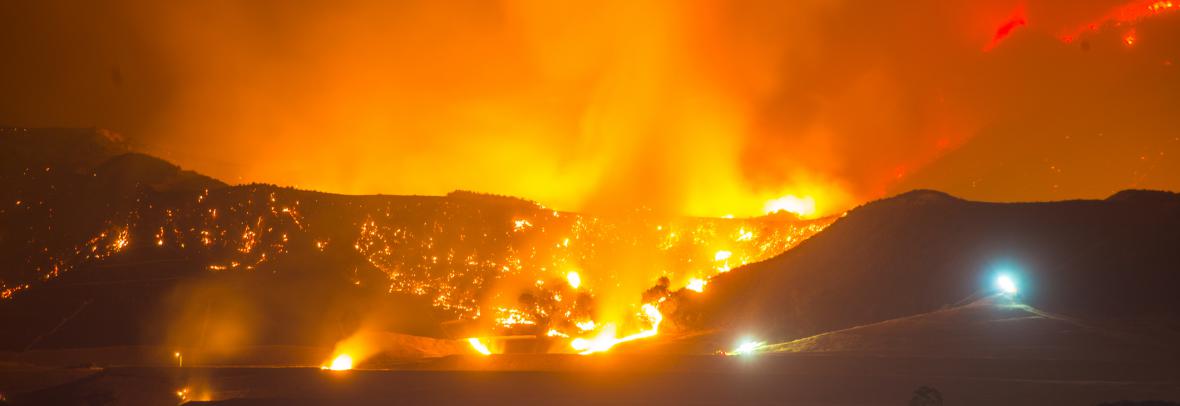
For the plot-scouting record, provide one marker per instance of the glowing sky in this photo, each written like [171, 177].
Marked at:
[698, 107]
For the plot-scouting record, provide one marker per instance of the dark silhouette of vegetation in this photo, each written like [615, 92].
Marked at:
[926, 396]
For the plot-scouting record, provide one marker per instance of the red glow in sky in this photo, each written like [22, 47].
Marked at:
[1005, 29]
[1125, 14]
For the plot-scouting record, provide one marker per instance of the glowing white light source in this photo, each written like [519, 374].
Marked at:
[1006, 284]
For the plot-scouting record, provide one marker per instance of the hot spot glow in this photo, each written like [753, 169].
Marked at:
[606, 339]
[478, 346]
[342, 362]
[696, 285]
[801, 206]
[722, 255]
[574, 279]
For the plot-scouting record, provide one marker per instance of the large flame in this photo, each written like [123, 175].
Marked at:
[479, 346]
[342, 362]
[607, 337]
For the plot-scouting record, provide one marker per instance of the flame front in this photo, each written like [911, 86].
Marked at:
[342, 362]
[606, 339]
[800, 206]
[479, 346]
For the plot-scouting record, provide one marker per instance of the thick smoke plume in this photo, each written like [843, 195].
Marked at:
[699, 107]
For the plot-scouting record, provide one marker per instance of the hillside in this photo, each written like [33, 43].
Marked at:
[103, 246]
[1112, 259]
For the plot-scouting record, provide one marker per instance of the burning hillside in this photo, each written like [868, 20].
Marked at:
[498, 265]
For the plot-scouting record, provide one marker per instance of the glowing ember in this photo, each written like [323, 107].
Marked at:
[696, 285]
[722, 255]
[587, 325]
[513, 317]
[574, 279]
[342, 362]
[1127, 14]
[478, 346]
[519, 225]
[800, 206]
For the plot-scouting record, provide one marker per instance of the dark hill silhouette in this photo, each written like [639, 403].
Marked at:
[989, 328]
[1112, 259]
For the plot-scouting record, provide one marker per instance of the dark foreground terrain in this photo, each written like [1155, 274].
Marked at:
[631, 379]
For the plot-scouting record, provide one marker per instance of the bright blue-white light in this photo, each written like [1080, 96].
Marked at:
[1006, 284]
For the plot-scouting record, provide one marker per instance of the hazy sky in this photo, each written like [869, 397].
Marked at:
[699, 107]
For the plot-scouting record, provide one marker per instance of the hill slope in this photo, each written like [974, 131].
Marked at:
[921, 251]
[103, 246]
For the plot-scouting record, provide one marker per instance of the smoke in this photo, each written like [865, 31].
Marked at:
[701, 108]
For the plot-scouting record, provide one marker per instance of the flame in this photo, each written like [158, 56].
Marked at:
[478, 346]
[1126, 14]
[574, 279]
[587, 325]
[800, 206]
[342, 362]
[606, 339]
[696, 285]
[722, 255]
[519, 225]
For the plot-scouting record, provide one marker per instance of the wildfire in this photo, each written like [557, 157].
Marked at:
[519, 225]
[574, 279]
[1127, 14]
[459, 255]
[513, 317]
[587, 325]
[722, 255]
[342, 362]
[606, 339]
[800, 206]
[478, 346]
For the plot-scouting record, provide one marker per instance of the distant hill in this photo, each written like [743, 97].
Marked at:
[1116, 259]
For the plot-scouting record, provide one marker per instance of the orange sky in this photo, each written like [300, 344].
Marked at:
[694, 107]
